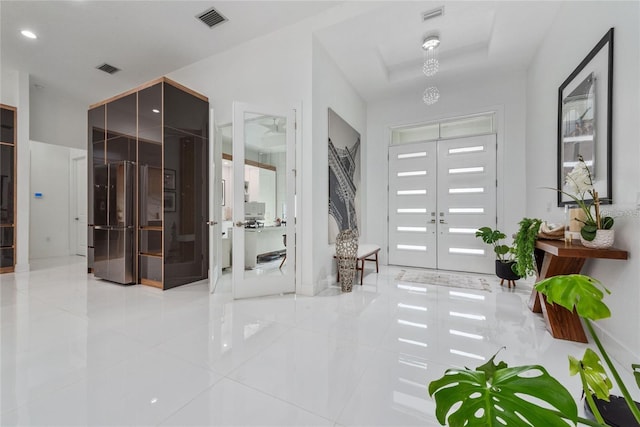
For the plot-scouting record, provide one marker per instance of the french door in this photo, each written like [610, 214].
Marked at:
[79, 206]
[263, 201]
[440, 193]
[215, 200]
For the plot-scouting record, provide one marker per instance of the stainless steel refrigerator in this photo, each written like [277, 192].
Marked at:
[113, 218]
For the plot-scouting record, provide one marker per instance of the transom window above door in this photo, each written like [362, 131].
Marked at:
[477, 124]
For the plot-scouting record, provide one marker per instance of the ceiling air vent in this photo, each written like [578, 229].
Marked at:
[434, 13]
[211, 17]
[110, 69]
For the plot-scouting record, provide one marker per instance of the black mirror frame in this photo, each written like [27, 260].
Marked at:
[607, 40]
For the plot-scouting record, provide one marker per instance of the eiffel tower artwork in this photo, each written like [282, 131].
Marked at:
[344, 176]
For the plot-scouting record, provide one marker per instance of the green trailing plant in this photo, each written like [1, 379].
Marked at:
[499, 395]
[493, 237]
[524, 243]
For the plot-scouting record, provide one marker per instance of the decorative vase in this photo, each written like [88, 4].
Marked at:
[603, 240]
[504, 270]
[615, 412]
[347, 257]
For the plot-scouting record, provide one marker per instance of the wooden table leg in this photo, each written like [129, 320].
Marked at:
[561, 323]
[534, 302]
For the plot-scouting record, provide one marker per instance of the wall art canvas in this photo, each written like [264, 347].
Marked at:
[344, 177]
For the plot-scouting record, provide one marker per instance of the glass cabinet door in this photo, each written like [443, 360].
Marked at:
[7, 188]
[6, 184]
[185, 191]
[150, 214]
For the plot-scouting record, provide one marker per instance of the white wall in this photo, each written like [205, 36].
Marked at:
[9, 87]
[277, 69]
[47, 116]
[504, 94]
[50, 216]
[273, 71]
[566, 44]
[330, 90]
[57, 119]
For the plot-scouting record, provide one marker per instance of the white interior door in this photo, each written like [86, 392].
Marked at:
[215, 200]
[263, 138]
[466, 202]
[79, 206]
[440, 193]
[412, 205]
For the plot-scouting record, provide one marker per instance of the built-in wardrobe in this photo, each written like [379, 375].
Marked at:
[8, 141]
[149, 151]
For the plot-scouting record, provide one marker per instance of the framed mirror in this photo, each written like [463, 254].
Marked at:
[584, 120]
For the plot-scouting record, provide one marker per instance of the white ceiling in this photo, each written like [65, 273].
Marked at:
[145, 39]
[378, 50]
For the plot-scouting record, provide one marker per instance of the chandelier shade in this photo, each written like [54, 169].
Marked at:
[431, 95]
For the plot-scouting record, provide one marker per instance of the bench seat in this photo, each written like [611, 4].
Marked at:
[366, 252]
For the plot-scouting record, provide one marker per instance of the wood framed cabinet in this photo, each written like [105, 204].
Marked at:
[162, 128]
[8, 141]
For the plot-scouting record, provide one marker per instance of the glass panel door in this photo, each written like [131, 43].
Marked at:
[215, 201]
[263, 201]
[412, 205]
[440, 193]
[466, 202]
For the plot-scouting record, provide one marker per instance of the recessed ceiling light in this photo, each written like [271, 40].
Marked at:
[28, 34]
[155, 110]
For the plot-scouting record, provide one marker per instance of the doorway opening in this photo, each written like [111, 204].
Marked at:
[257, 198]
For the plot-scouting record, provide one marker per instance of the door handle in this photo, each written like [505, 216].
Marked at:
[433, 221]
[212, 222]
[442, 221]
[241, 224]
[77, 219]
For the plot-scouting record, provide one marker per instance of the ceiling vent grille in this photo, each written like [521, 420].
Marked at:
[211, 18]
[109, 69]
[434, 13]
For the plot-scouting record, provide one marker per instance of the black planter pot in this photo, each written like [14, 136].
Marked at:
[615, 412]
[504, 270]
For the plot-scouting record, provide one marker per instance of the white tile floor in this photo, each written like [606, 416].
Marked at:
[80, 351]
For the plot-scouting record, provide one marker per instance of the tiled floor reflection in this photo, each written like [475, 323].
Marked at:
[80, 351]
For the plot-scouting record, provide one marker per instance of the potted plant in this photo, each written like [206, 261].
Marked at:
[505, 255]
[497, 395]
[524, 244]
[597, 230]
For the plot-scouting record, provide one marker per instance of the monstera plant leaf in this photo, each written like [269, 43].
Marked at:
[496, 395]
[576, 290]
[590, 368]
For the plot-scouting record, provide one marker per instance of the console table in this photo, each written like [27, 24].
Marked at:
[555, 258]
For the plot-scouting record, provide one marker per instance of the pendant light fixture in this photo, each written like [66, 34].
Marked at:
[430, 48]
[430, 67]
